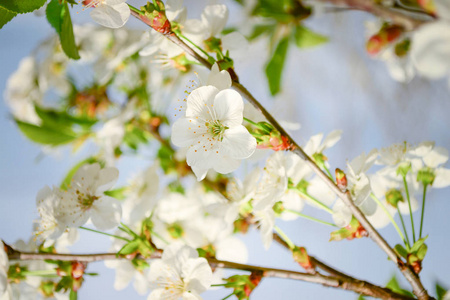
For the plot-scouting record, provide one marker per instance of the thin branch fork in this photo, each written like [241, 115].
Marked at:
[357, 286]
[370, 6]
[412, 277]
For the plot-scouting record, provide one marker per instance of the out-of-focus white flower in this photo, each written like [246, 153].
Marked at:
[109, 13]
[22, 93]
[49, 227]
[179, 274]
[214, 18]
[141, 195]
[317, 144]
[213, 132]
[430, 49]
[85, 199]
[266, 221]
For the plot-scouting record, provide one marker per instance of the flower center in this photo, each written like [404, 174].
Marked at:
[216, 129]
[86, 200]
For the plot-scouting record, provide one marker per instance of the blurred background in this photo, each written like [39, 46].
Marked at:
[334, 86]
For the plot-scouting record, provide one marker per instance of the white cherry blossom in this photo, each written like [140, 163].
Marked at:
[5, 288]
[180, 273]
[213, 132]
[109, 13]
[85, 199]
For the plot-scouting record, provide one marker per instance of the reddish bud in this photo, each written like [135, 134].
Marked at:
[301, 256]
[341, 180]
[78, 269]
[383, 38]
[428, 6]
[255, 279]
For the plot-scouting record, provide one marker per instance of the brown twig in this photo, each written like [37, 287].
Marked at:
[366, 5]
[357, 286]
[370, 6]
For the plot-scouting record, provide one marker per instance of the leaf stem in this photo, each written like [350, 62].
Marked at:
[250, 121]
[45, 273]
[404, 227]
[104, 233]
[309, 217]
[196, 46]
[132, 8]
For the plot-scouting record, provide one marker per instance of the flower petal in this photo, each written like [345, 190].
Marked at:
[199, 99]
[229, 107]
[238, 143]
[106, 213]
[111, 16]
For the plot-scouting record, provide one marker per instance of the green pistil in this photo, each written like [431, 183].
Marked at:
[216, 129]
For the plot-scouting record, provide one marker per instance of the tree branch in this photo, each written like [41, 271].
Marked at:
[370, 6]
[412, 277]
[360, 287]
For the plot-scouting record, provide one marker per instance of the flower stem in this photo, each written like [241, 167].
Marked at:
[410, 209]
[328, 172]
[423, 209]
[43, 273]
[228, 296]
[160, 237]
[404, 227]
[104, 233]
[322, 205]
[196, 46]
[285, 237]
[310, 218]
[390, 217]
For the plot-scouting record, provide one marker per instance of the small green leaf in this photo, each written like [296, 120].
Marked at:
[73, 295]
[422, 251]
[22, 6]
[67, 37]
[66, 181]
[6, 16]
[129, 248]
[305, 38]
[118, 193]
[259, 30]
[395, 287]
[440, 291]
[275, 66]
[418, 244]
[53, 14]
[45, 135]
[401, 251]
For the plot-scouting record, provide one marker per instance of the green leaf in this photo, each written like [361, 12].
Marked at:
[401, 251]
[22, 6]
[440, 291]
[305, 38]
[45, 135]
[66, 181]
[118, 193]
[53, 14]
[73, 295]
[418, 244]
[66, 36]
[275, 66]
[395, 287]
[422, 251]
[6, 16]
[54, 119]
[129, 248]
[259, 30]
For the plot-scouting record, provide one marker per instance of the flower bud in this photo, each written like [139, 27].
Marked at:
[383, 38]
[156, 13]
[428, 6]
[302, 258]
[341, 180]
[78, 269]
[393, 197]
[426, 176]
